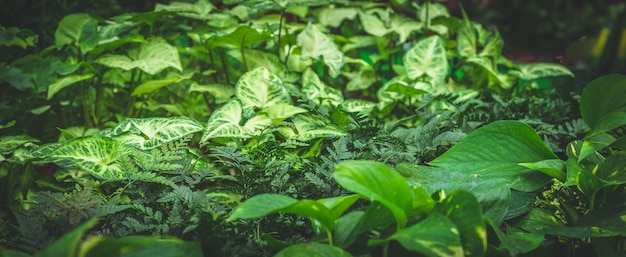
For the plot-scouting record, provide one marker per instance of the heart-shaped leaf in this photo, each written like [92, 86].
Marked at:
[603, 105]
[96, 155]
[224, 122]
[259, 89]
[151, 57]
[318, 91]
[309, 128]
[315, 44]
[427, 57]
[153, 132]
[79, 29]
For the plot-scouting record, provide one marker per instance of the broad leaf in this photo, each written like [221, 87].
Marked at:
[603, 105]
[377, 182]
[466, 38]
[312, 250]
[198, 10]
[151, 57]
[221, 92]
[10, 143]
[309, 128]
[65, 82]
[553, 167]
[541, 70]
[495, 151]
[280, 112]
[259, 89]
[96, 155]
[264, 204]
[332, 16]
[152, 85]
[318, 91]
[315, 44]
[79, 29]
[427, 57]
[434, 236]
[462, 208]
[224, 122]
[357, 105]
[153, 132]
[68, 245]
[243, 36]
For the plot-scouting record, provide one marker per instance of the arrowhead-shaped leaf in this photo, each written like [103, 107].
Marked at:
[603, 104]
[427, 57]
[315, 44]
[259, 89]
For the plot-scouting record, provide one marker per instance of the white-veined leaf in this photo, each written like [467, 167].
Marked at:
[427, 57]
[315, 44]
[309, 127]
[147, 133]
[318, 91]
[259, 88]
[224, 122]
[151, 57]
[96, 155]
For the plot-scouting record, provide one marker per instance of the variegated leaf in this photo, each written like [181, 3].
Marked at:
[151, 57]
[309, 127]
[156, 131]
[95, 155]
[315, 44]
[318, 90]
[224, 122]
[427, 57]
[541, 70]
[259, 88]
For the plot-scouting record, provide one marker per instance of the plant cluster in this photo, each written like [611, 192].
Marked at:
[201, 128]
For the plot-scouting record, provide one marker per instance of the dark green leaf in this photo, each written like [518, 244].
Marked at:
[312, 250]
[603, 105]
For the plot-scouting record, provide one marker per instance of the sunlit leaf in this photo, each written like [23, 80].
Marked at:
[462, 208]
[153, 85]
[318, 90]
[427, 57]
[79, 29]
[151, 57]
[309, 128]
[541, 70]
[9, 143]
[96, 155]
[332, 16]
[224, 122]
[243, 36]
[280, 112]
[197, 10]
[153, 132]
[221, 92]
[316, 44]
[259, 89]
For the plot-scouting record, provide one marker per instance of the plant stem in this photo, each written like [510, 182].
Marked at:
[133, 81]
[280, 30]
[98, 102]
[224, 66]
[84, 94]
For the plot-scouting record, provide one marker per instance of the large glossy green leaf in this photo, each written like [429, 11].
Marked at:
[377, 182]
[541, 70]
[259, 89]
[493, 193]
[152, 85]
[243, 36]
[315, 44]
[308, 127]
[79, 29]
[68, 245]
[312, 250]
[434, 236]
[427, 57]
[96, 155]
[264, 204]
[318, 91]
[65, 82]
[495, 151]
[138, 246]
[553, 167]
[225, 122]
[462, 208]
[155, 131]
[151, 57]
[603, 105]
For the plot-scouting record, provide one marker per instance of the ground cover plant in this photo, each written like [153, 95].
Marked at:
[317, 128]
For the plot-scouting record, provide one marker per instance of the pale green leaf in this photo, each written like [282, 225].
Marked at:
[152, 132]
[151, 57]
[65, 82]
[315, 44]
[552, 167]
[332, 16]
[96, 155]
[10, 143]
[427, 57]
[221, 92]
[535, 71]
[280, 112]
[197, 10]
[224, 122]
[357, 105]
[309, 128]
[318, 91]
[372, 24]
[243, 36]
[153, 85]
[256, 124]
[79, 29]
[259, 89]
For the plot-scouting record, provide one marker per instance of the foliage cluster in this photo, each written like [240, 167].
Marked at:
[201, 128]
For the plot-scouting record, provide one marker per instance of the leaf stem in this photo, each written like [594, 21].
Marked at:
[280, 30]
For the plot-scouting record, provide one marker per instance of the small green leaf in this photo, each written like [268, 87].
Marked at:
[495, 150]
[280, 112]
[377, 182]
[603, 105]
[436, 235]
[151, 57]
[152, 85]
[427, 57]
[243, 36]
[312, 250]
[79, 29]
[553, 167]
[315, 44]
[65, 82]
